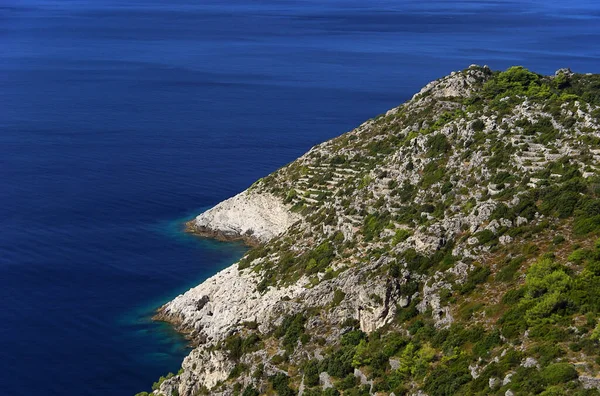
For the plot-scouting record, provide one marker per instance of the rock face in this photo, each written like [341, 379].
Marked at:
[231, 299]
[250, 216]
[379, 253]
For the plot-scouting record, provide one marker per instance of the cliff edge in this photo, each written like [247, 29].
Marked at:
[249, 216]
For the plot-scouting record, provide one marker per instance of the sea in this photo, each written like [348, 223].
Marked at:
[121, 119]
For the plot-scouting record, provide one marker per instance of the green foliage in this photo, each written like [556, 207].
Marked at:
[475, 277]
[515, 80]
[162, 379]
[478, 125]
[447, 379]
[485, 236]
[558, 240]
[375, 223]
[527, 380]
[291, 329]
[339, 363]
[238, 370]
[586, 225]
[558, 373]
[401, 235]
[338, 297]
[237, 346]
[361, 355]
[320, 258]
[280, 384]
[311, 373]
[587, 87]
[509, 271]
[250, 391]
[437, 145]
[353, 338]
[433, 172]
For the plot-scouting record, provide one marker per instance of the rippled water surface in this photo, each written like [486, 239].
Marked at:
[120, 119]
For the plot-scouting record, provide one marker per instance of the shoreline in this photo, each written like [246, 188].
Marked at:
[160, 315]
[204, 232]
[193, 336]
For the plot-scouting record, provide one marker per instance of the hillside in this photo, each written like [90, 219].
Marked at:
[448, 246]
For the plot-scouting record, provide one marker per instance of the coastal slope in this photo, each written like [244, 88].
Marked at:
[448, 246]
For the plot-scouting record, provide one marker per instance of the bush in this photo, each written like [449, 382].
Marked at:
[338, 297]
[280, 383]
[437, 144]
[528, 381]
[291, 329]
[485, 236]
[250, 391]
[477, 125]
[374, 224]
[515, 80]
[311, 373]
[558, 373]
[447, 380]
[401, 235]
[508, 272]
[477, 276]
[585, 225]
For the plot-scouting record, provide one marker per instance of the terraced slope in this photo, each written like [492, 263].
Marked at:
[449, 246]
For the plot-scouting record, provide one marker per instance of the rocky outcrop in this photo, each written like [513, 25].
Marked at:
[229, 301]
[210, 310]
[251, 216]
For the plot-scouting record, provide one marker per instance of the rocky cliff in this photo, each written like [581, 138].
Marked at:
[448, 246]
[253, 217]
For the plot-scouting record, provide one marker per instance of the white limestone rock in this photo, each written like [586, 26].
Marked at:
[250, 214]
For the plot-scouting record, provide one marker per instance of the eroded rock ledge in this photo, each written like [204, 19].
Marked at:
[251, 216]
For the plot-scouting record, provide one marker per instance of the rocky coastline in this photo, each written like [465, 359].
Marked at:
[219, 235]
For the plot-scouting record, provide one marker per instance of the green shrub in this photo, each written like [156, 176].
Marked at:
[578, 256]
[585, 225]
[338, 297]
[447, 380]
[280, 383]
[291, 329]
[558, 373]
[513, 296]
[437, 145]
[373, 225]
[401, 235]
[475, 277]
[478, 125]
[485, 236]
[527, 381]
[311, 373]
[238, 370]
[509, 271]
[250, 391]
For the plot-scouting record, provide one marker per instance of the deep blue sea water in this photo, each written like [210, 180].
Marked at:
[121, 118]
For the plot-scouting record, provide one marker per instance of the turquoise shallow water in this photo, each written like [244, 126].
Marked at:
[119, 117]
[173, 346]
